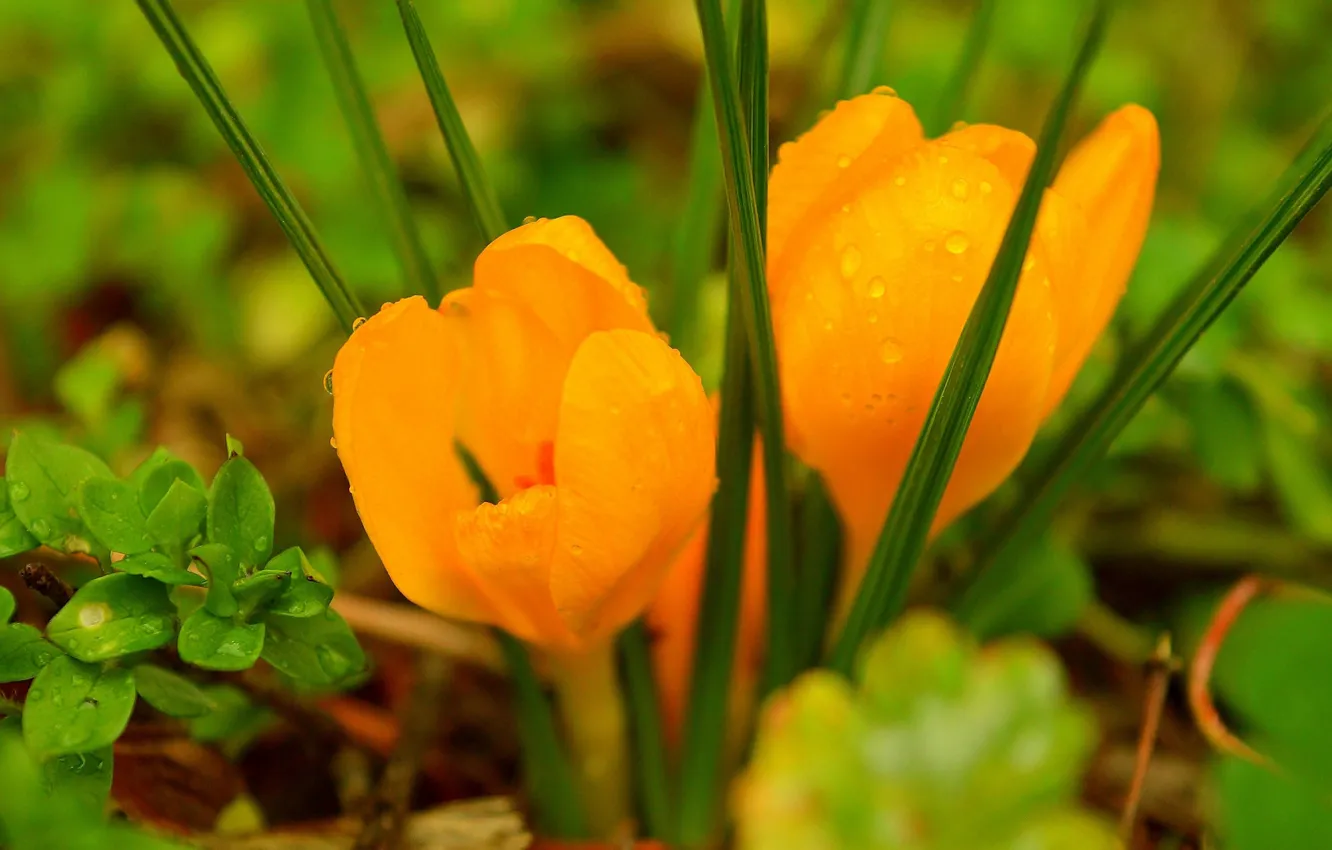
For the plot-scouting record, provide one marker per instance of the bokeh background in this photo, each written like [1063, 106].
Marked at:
[147, 297]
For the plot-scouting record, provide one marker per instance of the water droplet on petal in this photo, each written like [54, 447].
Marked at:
[957, 242]
[943, 160]
[843, 161]
[890, 351]
[328, 382]
[846, 398]
[928, 245]
[957, 278]
[958, 125]
[884, 91]
[985, 187]
[828, 325]
[960, 189]
[1028, 263]
[876, 287]
[850, 261]
[333, 441]
[529, 219]
[360, 320]
[575, 550]
[18, 491]
[899, 180]
[873, 318]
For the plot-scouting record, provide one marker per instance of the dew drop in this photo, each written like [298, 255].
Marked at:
[958, 125]
[360, 320]
[960, 189]
[877, 398]
[873, 318]
[876, 287]
[809, 296]
[846, 398]
[328, 382]
[18, 491]
[843, 161]
[575, 550]
[828, 325]
[529, 219]
[35, 693]
[957, 242]
[890, 351]
[260, 544]
[850, 261]
[884, 91]
[985, 187]
[40, 528]
[928, 245]
[846, 208]
[943, 160]
[1028, 263]
[957, 278]
[333, 441]
[899, 180]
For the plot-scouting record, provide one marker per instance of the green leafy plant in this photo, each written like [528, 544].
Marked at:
[189, 585]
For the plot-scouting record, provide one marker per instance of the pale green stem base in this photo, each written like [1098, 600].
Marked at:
[592, 709]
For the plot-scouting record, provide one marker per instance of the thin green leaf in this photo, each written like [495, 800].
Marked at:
[820, 570]
[1147, 365]
[719, 606]
[953, 99]
[481, 197]
[653, 778]
[902, 540]
[747, 236]
[550, 776]
[695, 239]
[290, 217]
[866, 37]
[385, 186]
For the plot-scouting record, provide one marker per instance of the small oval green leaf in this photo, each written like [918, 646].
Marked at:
[240, 512]
[74, 707]
[111, 510]
[157, 566]
[178, 515]
[218, 643]
[171, 693]
[112, 616]
[319, 651]
[23, 652]
[14, 538]
[44, 480]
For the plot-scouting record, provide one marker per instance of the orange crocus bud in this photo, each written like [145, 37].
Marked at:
[879, 242]
[597, 435]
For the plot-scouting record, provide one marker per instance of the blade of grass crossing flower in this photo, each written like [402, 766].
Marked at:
[1147, 365]
[386, 188]
[719, 607]
[478, 191]
[866, 36]
[820, 567]
[747, 235]
[192, 65]
[695, 239]
[954, 96]
[653, 777]
[550, 776]
[905, 532]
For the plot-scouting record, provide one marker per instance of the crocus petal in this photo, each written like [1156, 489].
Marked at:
[1010, 151]
[539, 291]
[634, 468]
[867, 319]
[508, 547]
[396, 383]
[879, 126]
[1111, 178]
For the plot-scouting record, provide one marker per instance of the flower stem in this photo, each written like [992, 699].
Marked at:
[588, 691]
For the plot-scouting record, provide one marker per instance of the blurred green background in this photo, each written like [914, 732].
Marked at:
[146, 296]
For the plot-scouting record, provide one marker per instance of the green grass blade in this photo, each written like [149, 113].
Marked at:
[650, 761]
[954, 96]
[747, 235]
[290, 217]
[1145, 367]
[480, 194]
[387, 190]
[904, 535]
[820, 568]
[550, 776]
[694, 243]
[866, 38]
[719, 608]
